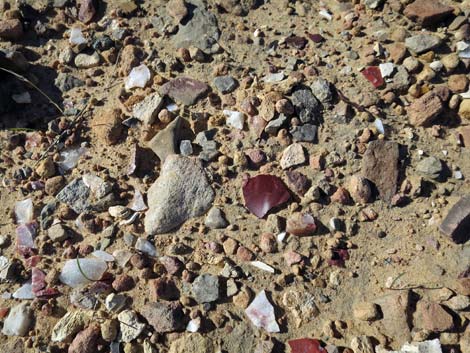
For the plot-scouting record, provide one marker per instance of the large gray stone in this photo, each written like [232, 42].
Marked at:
[201, 31]
[182, 191]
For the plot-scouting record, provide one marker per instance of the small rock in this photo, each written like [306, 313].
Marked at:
[86, 341]
[380, 166]
[292, 156]
[359, 189]
[138, 77]
[185, 90]
[85, 61]
[215, 219]
[366, 311]
[433, 317]
[458, 303]
[130, 325]
[321, 90]
[306, 105]
[75, 195]
[464, 109]
[18, 321]
[164, 317]
[108, 126]
[163, 288]
[225, 84]
[46, 168]
[456, 223]
[304, 133]
[58, 233]
[424, 110]
[86, 10]
[430, 167]
[205, 288]
[422, 43]
[177, 9]
[123, 283]
[165, 142]
[147, 110]
[192, 343]
[68, 326]
[428, 12]
[301, 224]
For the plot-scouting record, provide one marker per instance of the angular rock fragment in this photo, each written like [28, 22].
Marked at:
[164, 317]
[301, 224]
[428, 12]
[86, 10]
[75, 195]
[292, 156]
[185, 90]
[182, 191]
[130, 324]
[147, 110]
[423, 42]
[380, 166]
[456, 224]
[396, 311]
[166, 141]
[306, 345]
[205, 288]
[18, 321]
[424, 110]
[432, 316]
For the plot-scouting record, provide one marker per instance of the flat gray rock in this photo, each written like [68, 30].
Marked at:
[422, 43]
[181, 192]
[185, 90]
[201, 31]
[75, 195]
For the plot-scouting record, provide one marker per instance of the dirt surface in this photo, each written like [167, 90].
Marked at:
[361, 110]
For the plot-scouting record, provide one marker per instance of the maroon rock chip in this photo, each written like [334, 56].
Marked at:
[305, 345]
[296, 42]
[185, 90]
[457, 222]
[428, 12]
[263, 192]
[374, 76]
[87, 10]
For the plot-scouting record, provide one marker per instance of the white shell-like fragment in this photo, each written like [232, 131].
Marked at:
[138, 78]
[281, 236]
[122, 257]
[234, 119]
[138, 203]
[24, 292]
[380, 126]
[146, 247]
[69, 158]
[261, 313]
[432, 346]
[262, 266]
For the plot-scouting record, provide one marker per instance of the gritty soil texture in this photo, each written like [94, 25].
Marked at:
[355, 111]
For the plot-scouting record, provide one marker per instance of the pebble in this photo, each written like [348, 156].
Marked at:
[86, 341]
[138, 77]
[215, 219]
[366, 311]
[130, 325]
[205, 288]
[225, 84]
[430, 167]
[164, 316]
[301, 224]
[68, 326]
[455, 224]
[362, 344]
[147, 110]
[427, 12]
[432, 316]
[185, 90]
[425, 110]
[306, 106]
[84, 61]
[293, 155]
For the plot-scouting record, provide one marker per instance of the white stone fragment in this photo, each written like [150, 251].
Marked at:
[436, 65]
[68, 158]
[138, 77]
[431, 346]
[234, 119]
[24, 211]
[76, 37]
[90, 270]
[130, 325]
[262, 266]
[24, 292]
[18, 321]
[380, 126]
[146, 247]
[261, 313]
[194, 325]
[386, 69]
[326, 15]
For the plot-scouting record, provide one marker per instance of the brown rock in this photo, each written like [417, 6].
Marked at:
[464, 133]
[129, 59]
[397, 52]
[54, 185]
[267, 242]
[458, 83]
[11, 29]
[366, 311]
[297, 182]
[164, 317]
[230, 246]
[380, 166]
[457, 222]
[123, 283]
[163, 288]
[428, 12]
[396, 310]
[464, 109]
[359, 189]
[462, 286]
[86, 341]
[267, 109]
[108, 126]
[185, 90]
[432, 316]
[341, 195]
[301, 224]
[177, 9]
[424, 110]
[244, 254]
[172, 264]
[46, 168]
[86, 10]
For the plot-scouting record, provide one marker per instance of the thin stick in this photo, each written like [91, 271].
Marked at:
[24, 79]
